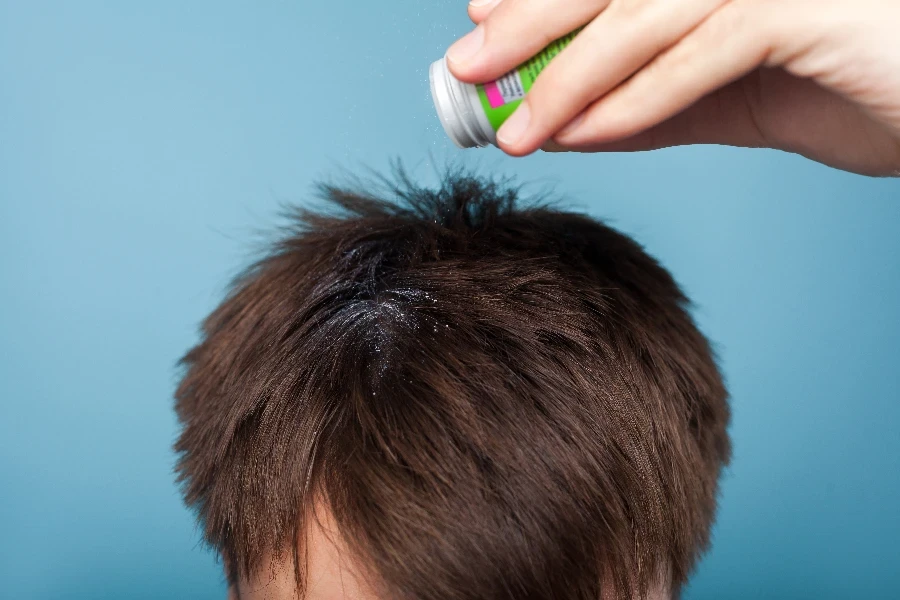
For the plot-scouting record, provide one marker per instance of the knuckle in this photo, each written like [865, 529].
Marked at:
[725, 24]
[557, 94]
[629, 8]
[721, 29]
[646, 12]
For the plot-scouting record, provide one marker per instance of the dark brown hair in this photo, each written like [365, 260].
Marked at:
[496, 401]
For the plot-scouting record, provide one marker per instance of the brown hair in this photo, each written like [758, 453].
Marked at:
[496, 401]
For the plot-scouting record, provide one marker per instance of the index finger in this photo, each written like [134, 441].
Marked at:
[513, 32]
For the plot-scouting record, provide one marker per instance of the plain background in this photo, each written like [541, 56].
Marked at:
[144, 146]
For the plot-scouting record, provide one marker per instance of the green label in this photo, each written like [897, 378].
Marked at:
[501, 97]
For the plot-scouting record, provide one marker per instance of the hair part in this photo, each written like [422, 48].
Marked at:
[495, 400]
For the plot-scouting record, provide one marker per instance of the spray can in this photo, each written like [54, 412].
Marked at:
[471, 114]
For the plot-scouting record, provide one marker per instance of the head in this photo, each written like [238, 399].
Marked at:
[445, 395]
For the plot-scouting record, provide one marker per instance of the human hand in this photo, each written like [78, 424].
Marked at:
[817, 77]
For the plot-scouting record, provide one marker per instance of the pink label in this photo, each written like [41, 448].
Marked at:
[507, 89]
[493, 94]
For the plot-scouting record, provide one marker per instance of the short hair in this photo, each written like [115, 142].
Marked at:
[496, 399]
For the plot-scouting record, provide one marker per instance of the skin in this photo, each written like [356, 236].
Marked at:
[819, 78]
[332, 573]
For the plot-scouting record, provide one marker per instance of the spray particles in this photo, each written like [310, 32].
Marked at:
[472, 113]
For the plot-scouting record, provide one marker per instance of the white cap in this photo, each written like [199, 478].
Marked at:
[454, 101]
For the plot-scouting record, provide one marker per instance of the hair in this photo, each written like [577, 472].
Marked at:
[496, 400]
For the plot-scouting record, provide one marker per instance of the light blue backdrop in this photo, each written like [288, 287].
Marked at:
[144, 145]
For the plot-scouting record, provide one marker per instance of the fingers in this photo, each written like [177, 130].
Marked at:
[723, 117]
[514, 31]
[723, 48]
[620, 41]
[480, 9]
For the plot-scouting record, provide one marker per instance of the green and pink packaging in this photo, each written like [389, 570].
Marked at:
[471, 114]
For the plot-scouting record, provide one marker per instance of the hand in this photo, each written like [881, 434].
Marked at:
[817, 77]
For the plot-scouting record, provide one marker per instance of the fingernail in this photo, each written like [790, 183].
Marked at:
[480, 3]
[515, 126]
[466, 47]
[572, 127]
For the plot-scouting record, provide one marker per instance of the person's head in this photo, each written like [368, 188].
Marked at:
[441, 395]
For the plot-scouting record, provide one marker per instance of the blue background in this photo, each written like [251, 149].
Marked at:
[144, 146]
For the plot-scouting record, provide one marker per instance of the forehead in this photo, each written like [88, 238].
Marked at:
[331, 572]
